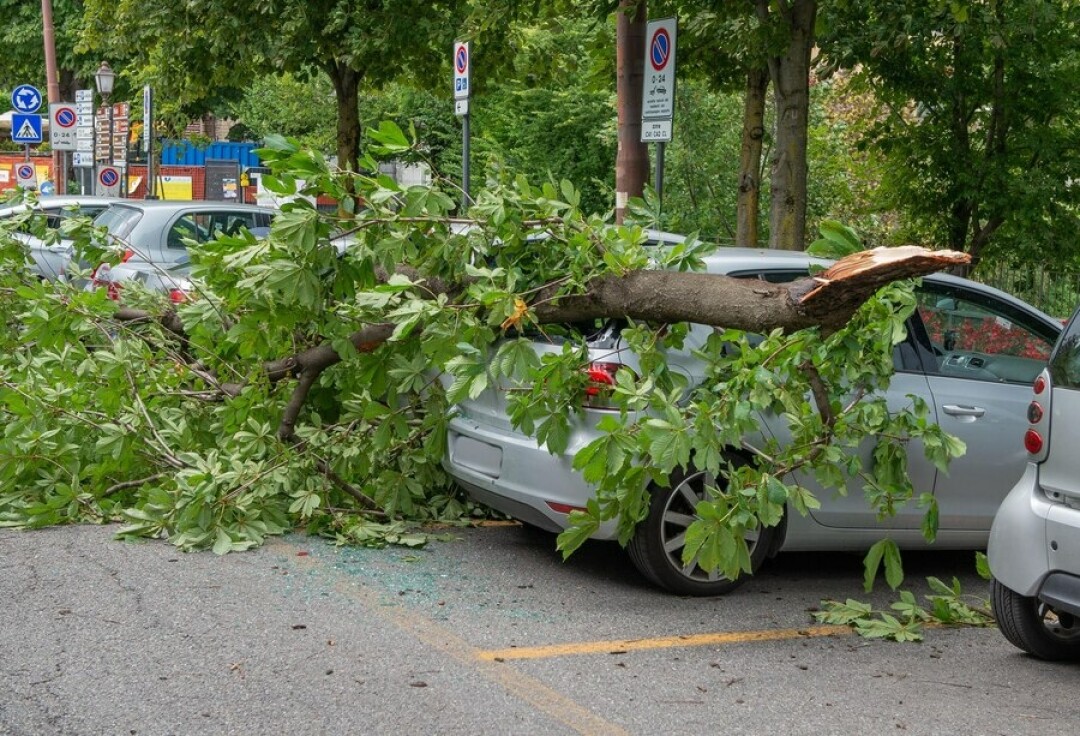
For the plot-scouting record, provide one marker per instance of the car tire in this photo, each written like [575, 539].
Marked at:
[1031, 625]
[655, 549]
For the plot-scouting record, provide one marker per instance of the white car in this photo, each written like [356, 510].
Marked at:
[50, 259]
[971, 353]
[1034, 550]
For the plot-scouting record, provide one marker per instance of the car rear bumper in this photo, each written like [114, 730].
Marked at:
[511, 473]
[1034, 546]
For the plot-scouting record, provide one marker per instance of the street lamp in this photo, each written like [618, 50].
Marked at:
[104, 78]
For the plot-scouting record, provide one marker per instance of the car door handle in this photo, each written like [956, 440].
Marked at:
[955, 410]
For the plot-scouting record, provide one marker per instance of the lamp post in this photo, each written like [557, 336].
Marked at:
[104, 78]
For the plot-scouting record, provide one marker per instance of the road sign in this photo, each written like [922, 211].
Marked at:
[84, 95]
[461, 107]
[658, 98]
[25, 175]
[655, 131]
[108, 182]
[462, 90]
[25, 98]
[26, 128]
[62, 126]
[47, 188]
[82, 159]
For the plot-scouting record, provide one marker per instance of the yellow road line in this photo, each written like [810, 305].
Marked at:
[661, 642]
[552, 703]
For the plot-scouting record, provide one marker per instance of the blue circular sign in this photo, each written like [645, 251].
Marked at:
[461, 60]
[26, 98]
[108, 177]
[47, 188]
[660, 49]
[65, 117]
[25, 171]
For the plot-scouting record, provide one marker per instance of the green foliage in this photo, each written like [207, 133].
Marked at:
[946, 605]
[310, 387]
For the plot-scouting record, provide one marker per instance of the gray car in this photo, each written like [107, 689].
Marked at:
[155, 236]
[1034, 550]
[51, 258]
[972, 353]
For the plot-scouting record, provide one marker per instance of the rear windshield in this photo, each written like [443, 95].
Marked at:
[1065, 362]
[119, 221]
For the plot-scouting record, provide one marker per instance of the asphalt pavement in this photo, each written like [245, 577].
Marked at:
[487, 633]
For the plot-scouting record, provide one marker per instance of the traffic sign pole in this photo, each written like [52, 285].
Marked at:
[462, 93]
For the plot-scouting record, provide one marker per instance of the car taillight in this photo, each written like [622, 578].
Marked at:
[601, 380]
[178, 296]
[563, 508]
[127, 255]
[1033, 442]
[1038, 415]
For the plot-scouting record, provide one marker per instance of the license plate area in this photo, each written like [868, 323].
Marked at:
[475, 455]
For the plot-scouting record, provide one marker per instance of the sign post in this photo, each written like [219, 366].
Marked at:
[148, 142]
[108, 182]
[658, 98]
[26, 175]
[462, 93]
[83, 158]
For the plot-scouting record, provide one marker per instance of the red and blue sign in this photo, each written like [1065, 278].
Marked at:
[660, 49]
[65, 117]
[25, 171]
[109, 177]
[461, 70]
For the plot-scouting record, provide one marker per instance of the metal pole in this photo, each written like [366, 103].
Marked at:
[148, 136]
[53, 87]
[660, 171]
[466, 200]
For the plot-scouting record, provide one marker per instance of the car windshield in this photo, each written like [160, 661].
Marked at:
[119, 221]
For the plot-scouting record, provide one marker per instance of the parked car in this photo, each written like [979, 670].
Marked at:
[1034, 549]
[972, 353]
[50, 259]
[156, 235]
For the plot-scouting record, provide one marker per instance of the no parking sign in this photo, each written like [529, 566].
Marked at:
[108, 182]
[26, 175]
[62, 120]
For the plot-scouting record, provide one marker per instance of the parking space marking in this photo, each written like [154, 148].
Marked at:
[619, 646]
[528, 689]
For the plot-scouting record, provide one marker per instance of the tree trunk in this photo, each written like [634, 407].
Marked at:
[790, 74]
[749, 202]
[347, 88]
[632, 161]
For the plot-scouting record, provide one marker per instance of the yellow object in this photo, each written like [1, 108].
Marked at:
[514, 320]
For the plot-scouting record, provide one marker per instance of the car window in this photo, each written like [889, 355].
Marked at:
[119, 221]
[1065, 362]
[192, 226]
[977, 336]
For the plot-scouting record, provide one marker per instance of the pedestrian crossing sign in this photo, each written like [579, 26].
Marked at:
[26, 128]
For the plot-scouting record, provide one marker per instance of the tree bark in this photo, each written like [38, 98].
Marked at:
[749, 200]
[632, 160]
[790, 73]
[346, 83]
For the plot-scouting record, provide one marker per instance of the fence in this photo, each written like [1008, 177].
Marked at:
[1054, 290]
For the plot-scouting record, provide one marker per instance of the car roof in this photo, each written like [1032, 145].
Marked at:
[63, 200]
[172, 205]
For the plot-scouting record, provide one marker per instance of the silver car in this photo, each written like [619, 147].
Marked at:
[1034, 550]
[972, 353]
[156, 234]
[51, 258]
